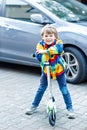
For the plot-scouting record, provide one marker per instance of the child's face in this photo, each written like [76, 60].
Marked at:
[48, 38]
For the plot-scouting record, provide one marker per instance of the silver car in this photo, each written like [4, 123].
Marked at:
[20, 25]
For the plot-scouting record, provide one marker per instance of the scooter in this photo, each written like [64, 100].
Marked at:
[51, 105]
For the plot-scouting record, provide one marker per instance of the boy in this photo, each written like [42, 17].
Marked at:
[51, 49]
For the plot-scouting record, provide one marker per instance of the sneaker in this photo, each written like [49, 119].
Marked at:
[31, 110]
[71, 114]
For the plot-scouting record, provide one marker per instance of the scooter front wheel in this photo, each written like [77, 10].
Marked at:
[52, 117]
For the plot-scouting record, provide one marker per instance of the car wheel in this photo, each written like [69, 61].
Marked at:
[76, 65]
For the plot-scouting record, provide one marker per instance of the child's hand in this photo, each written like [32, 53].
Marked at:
[41, 51]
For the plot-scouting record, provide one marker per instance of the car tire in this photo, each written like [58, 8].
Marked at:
[76, 65]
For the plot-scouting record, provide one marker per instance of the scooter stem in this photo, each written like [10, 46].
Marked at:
[49, 78]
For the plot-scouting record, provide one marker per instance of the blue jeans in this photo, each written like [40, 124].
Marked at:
[61, 80]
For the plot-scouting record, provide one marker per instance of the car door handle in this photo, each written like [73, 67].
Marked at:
[8, 27]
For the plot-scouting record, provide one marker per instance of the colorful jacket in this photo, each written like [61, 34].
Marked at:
[54, 56]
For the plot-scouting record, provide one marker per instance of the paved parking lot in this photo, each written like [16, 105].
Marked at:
[17, 88]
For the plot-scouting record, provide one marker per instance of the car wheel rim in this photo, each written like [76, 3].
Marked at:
[72, 66]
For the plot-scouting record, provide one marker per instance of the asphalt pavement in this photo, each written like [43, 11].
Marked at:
[18, 86]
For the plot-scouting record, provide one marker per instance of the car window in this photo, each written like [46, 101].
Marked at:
[0, 6]
[68, 10]
[19, 10]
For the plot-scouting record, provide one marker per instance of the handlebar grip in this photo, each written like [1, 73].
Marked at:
[34, 55]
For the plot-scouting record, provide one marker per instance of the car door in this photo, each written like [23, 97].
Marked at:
[19, 33]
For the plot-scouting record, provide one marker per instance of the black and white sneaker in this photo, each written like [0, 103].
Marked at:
[71, 114]
[31, 110]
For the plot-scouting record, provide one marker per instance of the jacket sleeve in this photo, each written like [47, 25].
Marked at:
[56, 49]
[41, 57]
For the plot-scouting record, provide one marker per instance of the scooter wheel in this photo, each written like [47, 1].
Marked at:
[52, 118]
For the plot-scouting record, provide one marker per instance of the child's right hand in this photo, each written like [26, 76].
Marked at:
[40, 51]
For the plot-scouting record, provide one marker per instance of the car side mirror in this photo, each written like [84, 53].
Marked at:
[38, 18]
